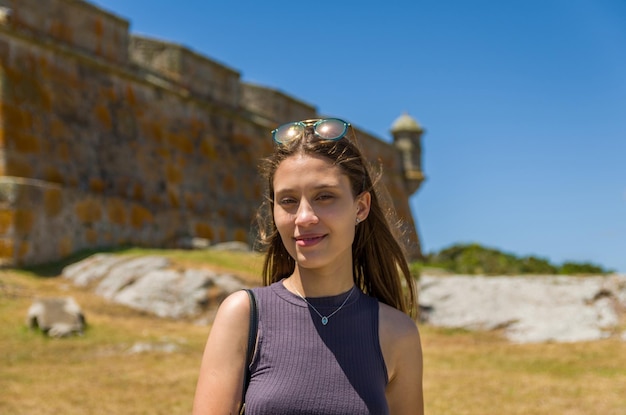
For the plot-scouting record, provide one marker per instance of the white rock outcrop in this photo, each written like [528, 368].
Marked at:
[528, 308]
[152, 283]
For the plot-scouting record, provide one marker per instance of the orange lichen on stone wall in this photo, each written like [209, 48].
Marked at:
[6, 220]
[98, 28]
[241, 235]
[91, 235]
[6, 250]
[15, 118]
[196, 127]
[173, 174]
[204, 230]
[207, 148]
[63, 151]
[51, 174]
[104, 116]
[130, 96]
[241, 139]
[53, 202]
[107, 237]
[25, 143]
[153, 129]
[229, 183]
[173, 198]
[116, 212]
[221, 234]
[190, 201]
[181, 142]
[155, 200]
[163, 153]
[18, 168]
[257, 192]
[88, 211]
[97, 185]
[139, 216]
[22, 250]
[61, 31]
[24, 221]
[137, 192]
[65, 246]
[57, 129]
[109, 94]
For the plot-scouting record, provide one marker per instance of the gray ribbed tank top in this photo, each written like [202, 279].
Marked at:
[304, 367]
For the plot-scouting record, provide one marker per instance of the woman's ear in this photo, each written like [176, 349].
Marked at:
[363, 202]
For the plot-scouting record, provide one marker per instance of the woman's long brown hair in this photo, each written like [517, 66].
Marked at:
[379, 261]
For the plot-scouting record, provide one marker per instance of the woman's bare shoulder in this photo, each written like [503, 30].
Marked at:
[396, 325]
[402, 350]
[234, 309]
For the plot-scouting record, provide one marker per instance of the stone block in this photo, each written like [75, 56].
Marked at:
[274, 105]
[203, 77]
[79, 24]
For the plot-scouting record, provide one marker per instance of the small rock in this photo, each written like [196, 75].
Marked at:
[57, 317]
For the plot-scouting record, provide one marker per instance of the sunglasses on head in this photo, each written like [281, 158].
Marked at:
[325, 129]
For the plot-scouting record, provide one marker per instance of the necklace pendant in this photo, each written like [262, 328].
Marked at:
[324, 320]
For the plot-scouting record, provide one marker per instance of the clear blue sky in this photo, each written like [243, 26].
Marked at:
[523, 102]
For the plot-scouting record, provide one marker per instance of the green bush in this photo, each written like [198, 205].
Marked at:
[477, 259]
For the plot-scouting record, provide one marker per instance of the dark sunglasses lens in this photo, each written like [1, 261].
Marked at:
[331, 129]
[288, 132]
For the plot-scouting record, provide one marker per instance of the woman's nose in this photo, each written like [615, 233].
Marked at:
[305, 214]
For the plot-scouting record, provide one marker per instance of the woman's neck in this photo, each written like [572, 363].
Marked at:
[313, 283]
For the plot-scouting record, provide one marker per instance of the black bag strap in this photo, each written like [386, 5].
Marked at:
[252, 334]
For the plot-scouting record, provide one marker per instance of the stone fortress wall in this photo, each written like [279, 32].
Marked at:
[108, 139]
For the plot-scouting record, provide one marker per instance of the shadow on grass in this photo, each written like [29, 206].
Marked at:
[55, 268]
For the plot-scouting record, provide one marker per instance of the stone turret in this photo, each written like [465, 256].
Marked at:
[407, 135]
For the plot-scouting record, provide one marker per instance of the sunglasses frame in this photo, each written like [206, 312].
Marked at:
[315, 123]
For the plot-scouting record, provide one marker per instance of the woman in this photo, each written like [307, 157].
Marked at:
[335, 334]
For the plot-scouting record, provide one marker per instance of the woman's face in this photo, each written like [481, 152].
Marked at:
[315, 212]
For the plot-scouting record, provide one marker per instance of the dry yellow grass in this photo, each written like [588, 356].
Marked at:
[480, 373]
[465, 373]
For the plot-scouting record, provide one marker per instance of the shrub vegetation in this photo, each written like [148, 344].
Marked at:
[477, 259]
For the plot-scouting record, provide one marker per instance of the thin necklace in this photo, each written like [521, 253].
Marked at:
[324, 318]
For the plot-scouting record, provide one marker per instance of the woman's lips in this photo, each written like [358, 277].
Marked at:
[309, 240]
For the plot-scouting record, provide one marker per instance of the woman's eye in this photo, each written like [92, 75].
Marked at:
[325, 197]
[287, 201]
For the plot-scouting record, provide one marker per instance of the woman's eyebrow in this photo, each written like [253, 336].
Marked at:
[318, 186]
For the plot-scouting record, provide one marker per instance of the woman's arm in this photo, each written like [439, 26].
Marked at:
[402, 351]
[220, 382]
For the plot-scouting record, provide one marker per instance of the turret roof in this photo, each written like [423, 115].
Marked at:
[405, 123]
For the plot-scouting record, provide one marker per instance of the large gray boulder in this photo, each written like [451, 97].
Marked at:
[57, 317]
[527, 308]
[153, 284]
[167, 292]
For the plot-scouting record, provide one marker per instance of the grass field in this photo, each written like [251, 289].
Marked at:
[466, 373]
